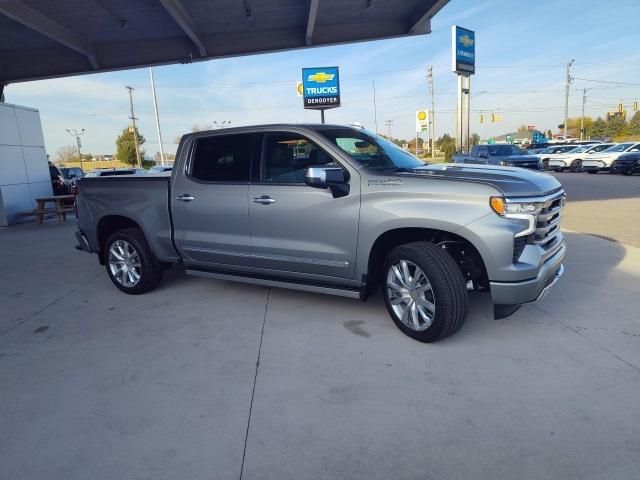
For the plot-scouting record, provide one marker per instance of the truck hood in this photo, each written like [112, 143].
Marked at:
[511, 181]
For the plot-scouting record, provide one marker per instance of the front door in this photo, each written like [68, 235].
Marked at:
[296, 228]
[209, 202]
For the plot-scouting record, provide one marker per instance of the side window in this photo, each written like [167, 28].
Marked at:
[223, 158]
[286, 157]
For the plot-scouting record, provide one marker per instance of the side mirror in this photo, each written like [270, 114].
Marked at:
[334, 178]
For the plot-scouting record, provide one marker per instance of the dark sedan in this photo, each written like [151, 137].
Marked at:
[627, 164]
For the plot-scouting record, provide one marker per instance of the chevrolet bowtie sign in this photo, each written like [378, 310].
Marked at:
[463, 50]
[321, 87]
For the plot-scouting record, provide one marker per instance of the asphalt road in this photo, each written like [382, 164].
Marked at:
[604, 205]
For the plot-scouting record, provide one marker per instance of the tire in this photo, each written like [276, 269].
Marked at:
[444, 288]
[592, 171]
[627, 173]
[612, 170]
[545, 164]
[131, 245]
[576, 166]
[559, 170]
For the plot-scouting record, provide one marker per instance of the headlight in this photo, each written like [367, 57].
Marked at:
[506, 163]
[517, 211]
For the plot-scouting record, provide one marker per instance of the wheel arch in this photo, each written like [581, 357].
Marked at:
[108, 225]
[466, 255]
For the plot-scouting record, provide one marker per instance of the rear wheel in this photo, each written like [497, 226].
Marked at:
[424, 291]
[576, 166]
[130, 263]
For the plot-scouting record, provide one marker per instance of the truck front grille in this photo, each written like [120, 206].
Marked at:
[548, 222]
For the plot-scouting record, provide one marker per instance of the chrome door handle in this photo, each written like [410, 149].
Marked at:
[185, 197]
[264, 200]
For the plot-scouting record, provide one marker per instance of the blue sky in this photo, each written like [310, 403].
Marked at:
[521, 55]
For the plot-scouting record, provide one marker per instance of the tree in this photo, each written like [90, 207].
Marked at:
[126, 148]
[634, 125]
[67, 154]
[598, 128]
[447, 145]
[475, 139]
[573, 125]
[616, 126]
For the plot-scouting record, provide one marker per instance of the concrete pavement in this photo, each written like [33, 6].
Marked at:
[204, 379]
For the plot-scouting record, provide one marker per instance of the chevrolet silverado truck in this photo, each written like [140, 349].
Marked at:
[506, 155]
[336, 210]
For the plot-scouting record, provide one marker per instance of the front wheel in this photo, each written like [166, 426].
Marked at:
[424, 291]
[130, 263]
[576, 166]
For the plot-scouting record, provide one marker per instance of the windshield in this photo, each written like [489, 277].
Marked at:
[371, 151]
[621, 147]
[503, 150]
[581, 149]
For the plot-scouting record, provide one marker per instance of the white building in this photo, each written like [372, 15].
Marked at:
[24, 172]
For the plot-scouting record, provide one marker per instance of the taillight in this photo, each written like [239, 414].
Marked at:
[74, 192]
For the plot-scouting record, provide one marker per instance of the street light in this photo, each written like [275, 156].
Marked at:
[74, 133]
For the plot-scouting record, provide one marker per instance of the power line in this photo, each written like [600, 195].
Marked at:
[608, 82]
[135, 131]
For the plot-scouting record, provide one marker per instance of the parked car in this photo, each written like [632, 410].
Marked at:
[499, 154]
[71, 175]
[601, 162]
[573, 158]
[111, 172]
[160, 169]
[627, 164]
[332, 209]
[552, 151]
[57, 181]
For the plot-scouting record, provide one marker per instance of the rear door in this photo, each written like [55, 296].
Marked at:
[209, 201]
[296, 229]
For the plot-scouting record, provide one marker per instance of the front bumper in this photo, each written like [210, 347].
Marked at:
[83, 243]
[557, 164]
[626, 168]
[515, 293]
[594, 165]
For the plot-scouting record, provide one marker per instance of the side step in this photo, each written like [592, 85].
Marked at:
[270, 282]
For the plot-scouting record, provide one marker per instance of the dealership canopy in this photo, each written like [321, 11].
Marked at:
[45, 39]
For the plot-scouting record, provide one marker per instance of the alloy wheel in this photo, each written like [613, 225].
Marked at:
[410, 295]
[124, 263]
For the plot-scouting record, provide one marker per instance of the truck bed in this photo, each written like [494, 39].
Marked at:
[145, 199]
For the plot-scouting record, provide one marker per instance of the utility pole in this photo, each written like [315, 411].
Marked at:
[566, 97]
[155, 108]
[584, 99]
[74, 133]
[135, 131]
[224, 123]
[389, 124]
[432, 130]
[375, 108]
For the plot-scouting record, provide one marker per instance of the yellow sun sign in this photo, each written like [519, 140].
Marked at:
[422, 120]
[299, 88]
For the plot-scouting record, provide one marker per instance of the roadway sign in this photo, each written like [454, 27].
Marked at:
[463, 50]
[422, 120]
[321, 87]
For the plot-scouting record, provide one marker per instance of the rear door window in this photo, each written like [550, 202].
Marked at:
[223, 158]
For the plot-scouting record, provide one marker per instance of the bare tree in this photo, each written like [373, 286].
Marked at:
[67, 154]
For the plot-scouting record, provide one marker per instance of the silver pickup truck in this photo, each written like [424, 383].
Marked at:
[332, 209]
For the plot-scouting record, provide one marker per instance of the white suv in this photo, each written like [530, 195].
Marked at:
[602, 161]
[573, 159]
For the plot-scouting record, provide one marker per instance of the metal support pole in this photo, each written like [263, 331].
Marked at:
[74, 133]
[462, 113]
[375, 108]
[155, 108]
[432, 130]
[322, 115]
[135, 131]
[584, 99]
[566, 97]
[467, 112]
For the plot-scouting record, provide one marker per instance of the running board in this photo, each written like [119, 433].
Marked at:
[268, 282]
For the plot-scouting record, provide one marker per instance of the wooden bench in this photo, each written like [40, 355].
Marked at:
[59, 208]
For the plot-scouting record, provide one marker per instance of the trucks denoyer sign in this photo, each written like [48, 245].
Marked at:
[321, 87]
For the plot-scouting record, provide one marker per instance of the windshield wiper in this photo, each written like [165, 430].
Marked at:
[396, 169]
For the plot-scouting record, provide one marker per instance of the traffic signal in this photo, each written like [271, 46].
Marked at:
[635, 106]
[481, 118]
[493, 117]
[620, 108]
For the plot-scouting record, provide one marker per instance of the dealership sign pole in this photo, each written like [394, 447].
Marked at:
[321, 88]
[463, 64]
